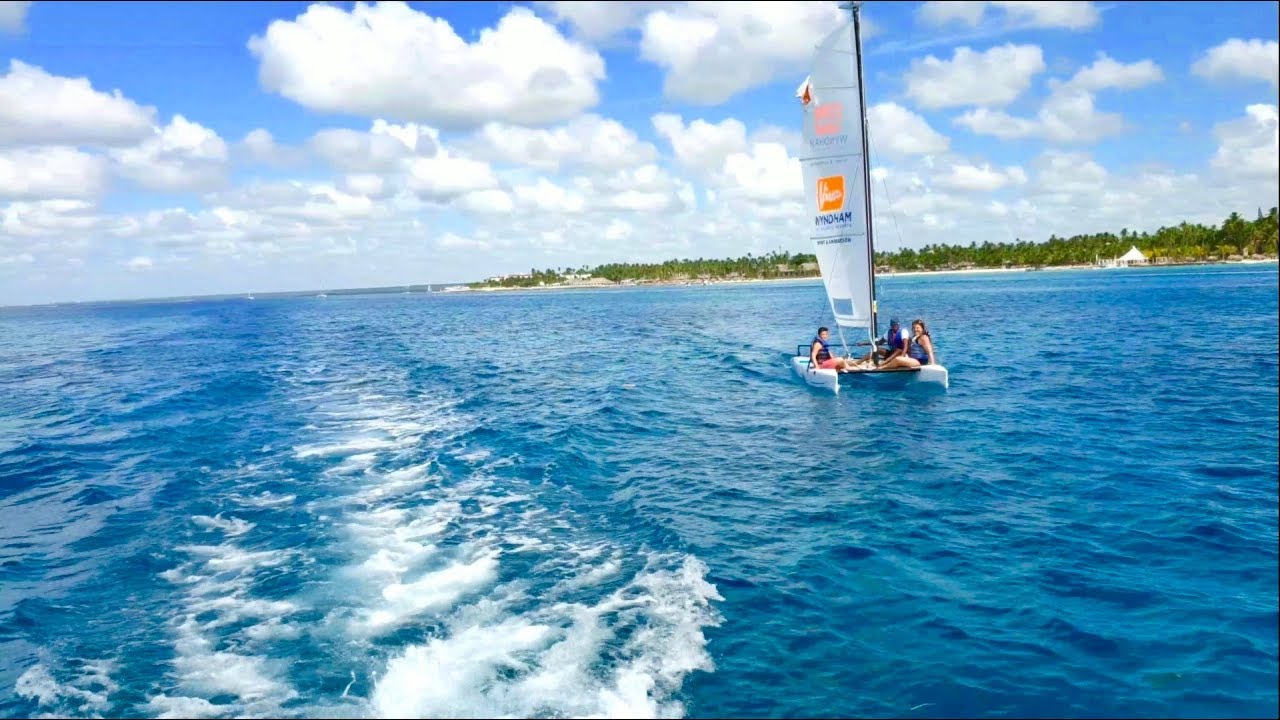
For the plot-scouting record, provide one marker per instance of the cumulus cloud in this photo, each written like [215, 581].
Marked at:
[587, 141]
[711, 51]
[181, 156]
[1107, 73]
[898, 131]
[599, 21]
[37, 108]
[259, 147]
[1241, 60]
[393, 61]
[1248, 147]
[13, 15]
[701, 146]
[48, 218]
[444, 177]
[984, 178]
[1020, 14]
[52, 173]
[1070, 113]
[994, 78]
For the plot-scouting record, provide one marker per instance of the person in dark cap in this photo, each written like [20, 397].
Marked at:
[888, 347]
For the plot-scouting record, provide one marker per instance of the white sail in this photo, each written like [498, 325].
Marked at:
[835, 181]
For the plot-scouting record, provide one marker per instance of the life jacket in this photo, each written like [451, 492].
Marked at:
[825, 353]
[894, 341]
[917, 351]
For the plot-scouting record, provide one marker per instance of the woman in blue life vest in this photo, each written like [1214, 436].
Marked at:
[820, 355]
[919, 349]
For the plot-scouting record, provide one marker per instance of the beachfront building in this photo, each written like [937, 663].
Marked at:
[1133, 257]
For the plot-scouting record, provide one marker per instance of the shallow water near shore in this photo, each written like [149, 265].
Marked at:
[622, 503]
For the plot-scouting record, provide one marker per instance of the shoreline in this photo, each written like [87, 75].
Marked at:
[463, 289]
[812, 278]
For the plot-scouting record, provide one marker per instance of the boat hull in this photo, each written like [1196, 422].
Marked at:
[931, 375]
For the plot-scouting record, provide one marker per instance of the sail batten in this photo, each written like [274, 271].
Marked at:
[836, 179]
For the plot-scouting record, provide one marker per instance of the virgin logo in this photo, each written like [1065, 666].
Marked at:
[827, 118]
[830, 193]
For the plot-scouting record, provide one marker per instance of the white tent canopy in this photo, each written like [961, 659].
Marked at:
[1134, 255]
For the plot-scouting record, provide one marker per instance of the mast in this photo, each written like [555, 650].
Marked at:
[853, 8]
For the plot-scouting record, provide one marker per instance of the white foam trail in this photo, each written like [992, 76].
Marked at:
[164, 706]
[211, 672]
[427, 548]
[433, 592]
[348, 447]
[90, 691]
[544, 662]
[231, 527]
[265, 499]
[219, 581]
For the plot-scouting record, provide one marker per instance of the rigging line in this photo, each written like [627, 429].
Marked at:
[894, 216]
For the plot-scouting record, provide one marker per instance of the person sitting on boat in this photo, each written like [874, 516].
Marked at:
[820, 353]
[891, 345]
[919, 349]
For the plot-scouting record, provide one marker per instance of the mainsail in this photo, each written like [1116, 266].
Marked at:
[836, 177]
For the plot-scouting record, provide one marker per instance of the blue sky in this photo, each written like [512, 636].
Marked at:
[1159, 132]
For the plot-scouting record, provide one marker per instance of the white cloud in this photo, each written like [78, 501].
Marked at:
[493, 201]
[898, 131]
[18, 259]
[141, 262]
[766, 173]
[587, 141]
[444, 176]
[643, 189]
[51, 172]
[972, 178]
[618, 230]
[598, 21]
[711, 51]
[1248, 148]
[1068, 115]
[393, 61]
[995, 77]
[259, 147]
[701, 146]
[48, 218]
[1241, 59]
[998, 123]
[356, 151]
[13, 15]
[39, 108]
[1069, 172]
[1033, 14]
[367, 184]
[181, 156]
[546, 196]
[452, 241]
[1107, 73]
[968, 12]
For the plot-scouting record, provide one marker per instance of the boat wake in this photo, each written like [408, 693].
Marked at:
[435, 582]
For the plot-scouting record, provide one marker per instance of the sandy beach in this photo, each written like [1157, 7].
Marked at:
[813, 278]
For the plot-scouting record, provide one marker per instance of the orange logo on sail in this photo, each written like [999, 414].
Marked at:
[827, 118]
[831, 194]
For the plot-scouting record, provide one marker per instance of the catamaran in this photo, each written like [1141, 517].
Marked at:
[837, 186]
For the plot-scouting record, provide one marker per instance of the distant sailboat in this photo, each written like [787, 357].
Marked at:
[837, 175]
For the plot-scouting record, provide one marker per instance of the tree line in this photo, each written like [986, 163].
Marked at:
[1185, 242]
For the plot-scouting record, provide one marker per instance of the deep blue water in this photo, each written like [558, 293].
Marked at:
[623, 503]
